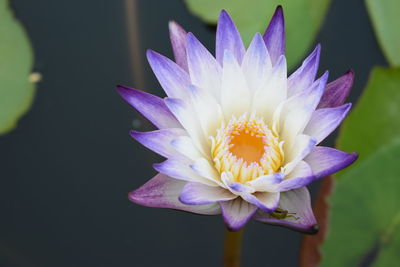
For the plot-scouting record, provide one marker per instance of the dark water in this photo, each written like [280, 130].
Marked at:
[66, 170]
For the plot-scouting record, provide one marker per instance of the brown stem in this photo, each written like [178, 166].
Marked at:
[133, 33]
[310, 253]
[232, 245]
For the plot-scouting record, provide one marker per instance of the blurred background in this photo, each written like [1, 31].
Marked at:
[68, 165]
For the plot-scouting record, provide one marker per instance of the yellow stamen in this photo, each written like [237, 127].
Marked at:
[246, 148]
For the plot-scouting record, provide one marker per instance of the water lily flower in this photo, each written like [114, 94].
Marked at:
[240, 137]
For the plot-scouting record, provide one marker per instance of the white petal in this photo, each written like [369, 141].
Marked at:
[199, 194]
[267, 183]
[205, 71]
[256, 64]
[235, 96]
[300, 176]
[208, 111]
[179, 168]
[203, 167]
[267, 98]
[185, 146]
[237, 213]
[189, 120]
[298, 109]
[267, 201]
[302, 146]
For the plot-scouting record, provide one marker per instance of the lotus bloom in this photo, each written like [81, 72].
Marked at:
[240, 137]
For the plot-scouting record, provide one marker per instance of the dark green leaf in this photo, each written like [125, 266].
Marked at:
[16, 58]
[365, 212]
[386, 22]
[375, 120]
[365, 207]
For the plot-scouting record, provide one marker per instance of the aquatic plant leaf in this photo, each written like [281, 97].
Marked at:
[16, 59]
[385, 19]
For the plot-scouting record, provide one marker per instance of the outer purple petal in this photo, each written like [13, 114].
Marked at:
[198, 194]
[304, 76]
[228, 38]
[159, 141]
[325, 120]
[325, 160]
[237, 213]
[297, 202]
[205, 71]
[173, 79]
[178, 41]
[274, 36]
[150, 106]
[178, 168]
[163, 191]
[337, 91]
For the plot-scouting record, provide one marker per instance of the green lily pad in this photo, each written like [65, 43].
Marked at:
[386, 23]
[365, 213]
[303, 19]
[16, 59]
[365, 207]
[374, 121]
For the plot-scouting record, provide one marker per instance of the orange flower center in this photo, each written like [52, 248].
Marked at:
[246, 148]
[247, 145]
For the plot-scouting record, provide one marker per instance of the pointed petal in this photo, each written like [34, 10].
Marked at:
[266, 201]
[173, 79]
[337, 91]
[302, 146]
[267, 183]
[178, 41]
[235, 96]
[300, 176]
[273, 92]
[203, 168]
[298, 110]
[208, 110]
[274, 36]
[178, 168]
[256, 64]
[237, 213]
[185, 146]
[163, 191]
[228, 38]
[235, 187]
[304, 76]
[150, 106]
[159, 140]
[199, 194]
[325, 160]
[187, 116]
[297, 202]
[325, 120]
[205, 71]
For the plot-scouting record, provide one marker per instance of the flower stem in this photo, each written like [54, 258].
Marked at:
[232, 245]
